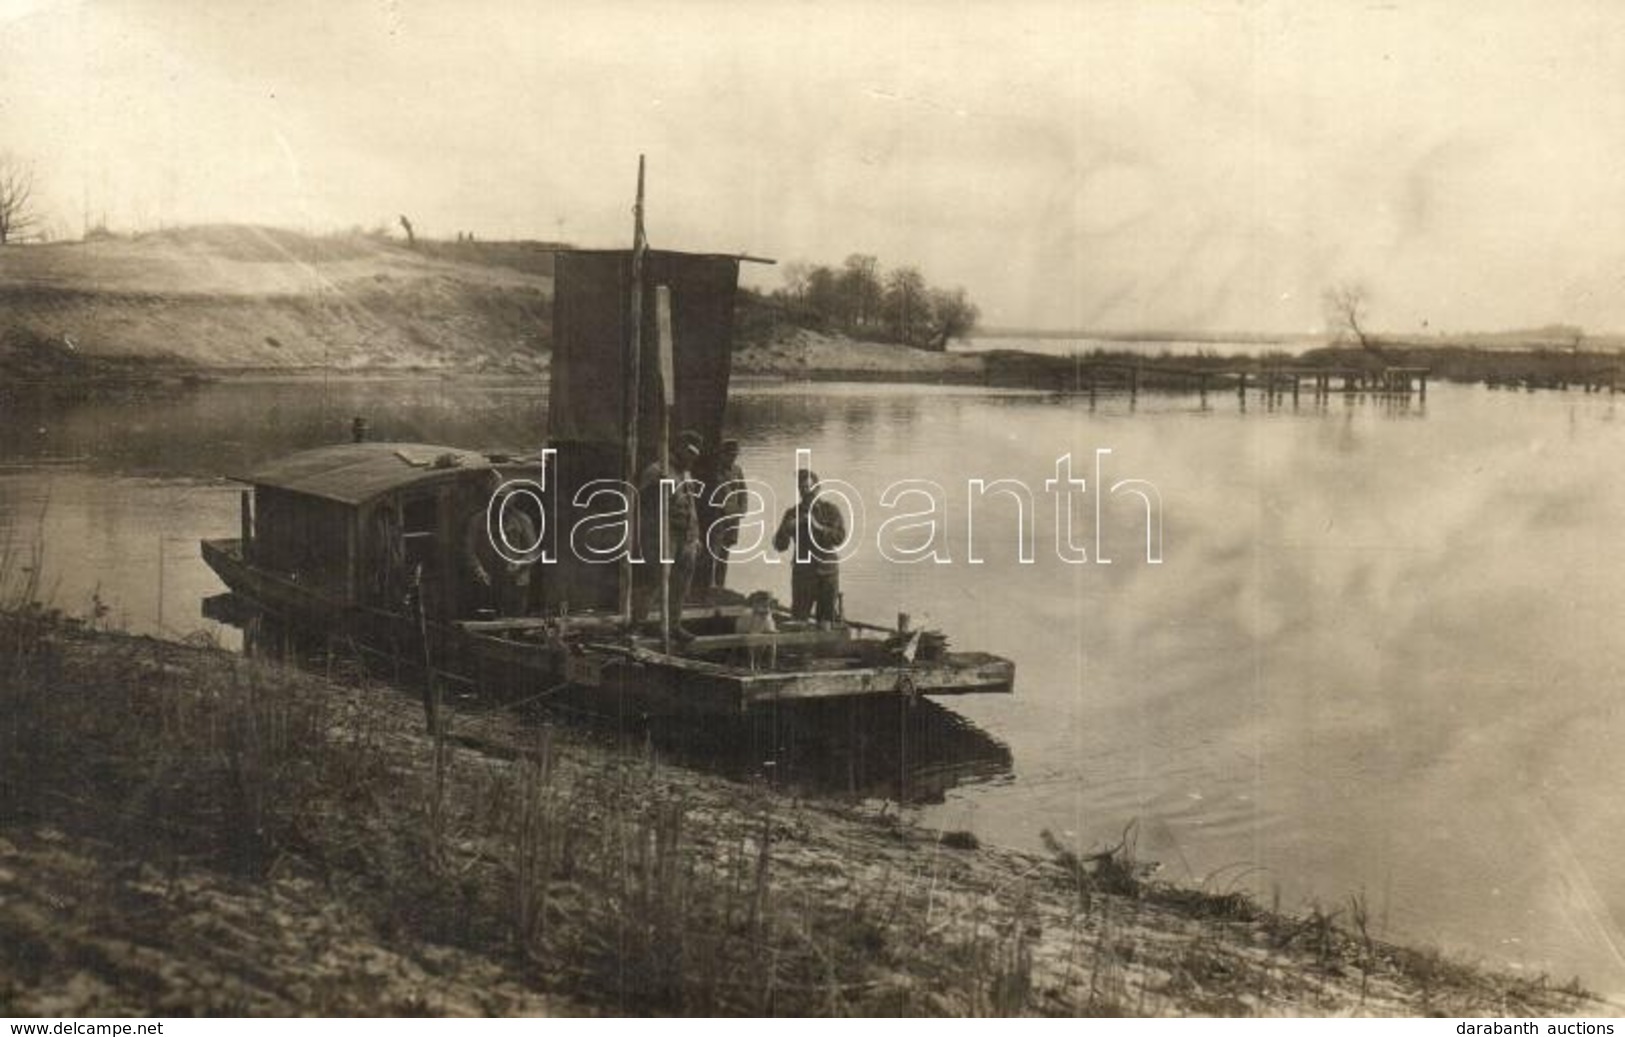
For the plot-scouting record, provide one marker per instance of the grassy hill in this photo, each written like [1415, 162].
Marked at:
[235, 297]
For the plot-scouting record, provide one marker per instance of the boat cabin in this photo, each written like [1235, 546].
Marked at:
[382, 525]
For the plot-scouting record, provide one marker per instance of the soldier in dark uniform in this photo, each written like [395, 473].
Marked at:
[726, 500]
[815, 530]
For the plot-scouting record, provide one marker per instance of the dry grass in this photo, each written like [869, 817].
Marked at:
[586, 881]
[502, 866]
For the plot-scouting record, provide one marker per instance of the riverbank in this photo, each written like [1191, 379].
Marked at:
[189, 304]
[188, 831]
[200, 300]
[794, 353]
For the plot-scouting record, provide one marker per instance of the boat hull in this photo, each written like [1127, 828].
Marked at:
[588, 659]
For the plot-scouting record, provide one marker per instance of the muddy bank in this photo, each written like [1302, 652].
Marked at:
[188, 831]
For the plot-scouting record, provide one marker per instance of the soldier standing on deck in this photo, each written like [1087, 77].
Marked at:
[816, 531]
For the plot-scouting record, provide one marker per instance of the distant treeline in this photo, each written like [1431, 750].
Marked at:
[861, 299]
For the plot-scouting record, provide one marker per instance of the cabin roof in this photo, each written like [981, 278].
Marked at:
[738, 257]
[353, 473]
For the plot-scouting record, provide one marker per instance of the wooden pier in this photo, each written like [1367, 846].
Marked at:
[1272, 382]
[1596, 380]
[1280, 378]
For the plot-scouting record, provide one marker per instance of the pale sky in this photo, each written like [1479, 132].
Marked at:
[1202, 165]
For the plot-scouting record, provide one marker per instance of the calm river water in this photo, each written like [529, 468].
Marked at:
[1376, 658]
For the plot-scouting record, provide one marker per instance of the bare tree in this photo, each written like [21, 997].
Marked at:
[905, 303]
[956, 316]
[411, 239]
[797, 275]
[1346, 305]
[16, 198]
[860, 289]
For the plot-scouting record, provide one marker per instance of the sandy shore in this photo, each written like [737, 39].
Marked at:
[186, 831]
[800, 352]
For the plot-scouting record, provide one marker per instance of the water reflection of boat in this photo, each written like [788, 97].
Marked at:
[859, 748]
[392, 546]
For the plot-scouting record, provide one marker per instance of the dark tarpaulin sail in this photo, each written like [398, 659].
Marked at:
[590, 335]
[588, 412]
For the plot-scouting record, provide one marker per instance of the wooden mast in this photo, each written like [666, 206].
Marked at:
[668, 399]
[634, 383]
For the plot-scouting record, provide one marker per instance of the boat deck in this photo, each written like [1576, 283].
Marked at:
[719, 670]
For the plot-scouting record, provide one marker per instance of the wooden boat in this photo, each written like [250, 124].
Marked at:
[390, 546]
[371, 543]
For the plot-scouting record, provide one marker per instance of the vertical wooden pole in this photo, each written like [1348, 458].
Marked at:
[246, 517]
[160, 583]
[668, 399]
[902, 750]
[634, 379]
[431, 701]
